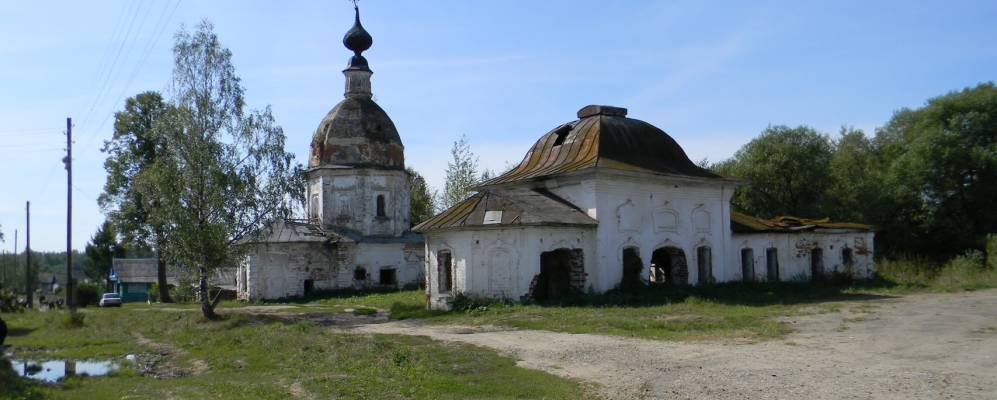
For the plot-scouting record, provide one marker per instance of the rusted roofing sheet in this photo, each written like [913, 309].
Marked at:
[515, 207]
[743, 223]
[603, 136]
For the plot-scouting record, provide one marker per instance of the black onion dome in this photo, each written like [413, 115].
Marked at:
[357, 38]
[357, 133]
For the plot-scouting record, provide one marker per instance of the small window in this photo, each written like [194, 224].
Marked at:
[747, 265]
[562, 133]
[309, 286]
[380, 205]
[360, 274]
[444, 271]
[388, 277]
[704, 259]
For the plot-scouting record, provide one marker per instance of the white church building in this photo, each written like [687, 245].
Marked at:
[599, 202]
[357, 234]
[606, 200]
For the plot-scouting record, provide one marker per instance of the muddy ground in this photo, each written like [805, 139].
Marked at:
[930, 346]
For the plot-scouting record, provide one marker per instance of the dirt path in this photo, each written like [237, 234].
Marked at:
[917, 347]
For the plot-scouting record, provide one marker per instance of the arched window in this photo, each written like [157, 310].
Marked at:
[772, 264]
[704, 263]
[380, 205]
[444, 271]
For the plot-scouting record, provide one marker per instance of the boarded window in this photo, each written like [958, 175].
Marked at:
[747, 265]
[704, 260]
[444, 271]
[380, 205]
[772, 264]
[388, 277]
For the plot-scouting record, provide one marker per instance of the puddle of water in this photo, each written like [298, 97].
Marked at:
[55, 370]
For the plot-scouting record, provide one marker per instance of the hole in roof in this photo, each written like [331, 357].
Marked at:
[561, 133]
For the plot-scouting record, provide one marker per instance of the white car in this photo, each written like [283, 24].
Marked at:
[110, 300]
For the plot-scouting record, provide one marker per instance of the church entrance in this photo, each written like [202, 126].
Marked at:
[562, 272]
[668, 267]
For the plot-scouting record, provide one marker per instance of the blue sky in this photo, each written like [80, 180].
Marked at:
[711, 74]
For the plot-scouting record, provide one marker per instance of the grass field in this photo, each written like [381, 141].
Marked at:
[246, 356]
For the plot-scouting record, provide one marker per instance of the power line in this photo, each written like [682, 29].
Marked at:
[158, 29]
[107, 77]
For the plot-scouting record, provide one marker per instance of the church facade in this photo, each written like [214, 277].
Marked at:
[606, 201]
[357, 231]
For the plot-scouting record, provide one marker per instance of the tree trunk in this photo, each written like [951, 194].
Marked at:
[207, 308]
[163, 283]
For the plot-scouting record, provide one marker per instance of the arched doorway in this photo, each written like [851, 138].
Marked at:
[562, 272]
[816, 263]
[668, 266]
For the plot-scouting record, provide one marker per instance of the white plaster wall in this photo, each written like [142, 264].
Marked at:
[279, 270]
[347, 197]
[794, 253]
[500, 262]
[632, 209]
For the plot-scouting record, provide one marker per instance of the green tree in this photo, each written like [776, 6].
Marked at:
[854, 191]
[421, 206]
[785, 171]
[222, 175]
[132, 150]
[461, 174]
[940, 173]
[103, 247]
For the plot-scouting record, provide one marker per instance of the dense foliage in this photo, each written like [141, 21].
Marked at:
[927, 178]
[103, 247]
[422, 203]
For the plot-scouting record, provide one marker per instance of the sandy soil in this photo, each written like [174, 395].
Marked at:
[937, 346]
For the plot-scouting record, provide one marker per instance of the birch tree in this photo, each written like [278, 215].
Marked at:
[223, 175]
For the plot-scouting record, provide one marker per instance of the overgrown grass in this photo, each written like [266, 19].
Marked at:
[266, 358]
[909, 274]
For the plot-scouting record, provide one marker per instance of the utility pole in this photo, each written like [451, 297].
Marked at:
[14, 268]
[28, 294]
[70, 287]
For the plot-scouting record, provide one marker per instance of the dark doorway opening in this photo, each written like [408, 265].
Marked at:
[309, 286]
[772, 264]
[360, 274]
[668, 266]
[816, 264]
[747, 265]
[562, 272]
[704, 265]
[632, 266]
[846, 257]
[388, 277]
[444, 271]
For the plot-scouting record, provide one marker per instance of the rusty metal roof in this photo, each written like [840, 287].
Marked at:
[603, 136]
[503, 208]
[357, 133]
[743, 223]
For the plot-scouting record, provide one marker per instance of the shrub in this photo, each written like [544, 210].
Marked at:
[87, 294]
[966, 272]
[463, 302]
[153, 292]
[72, 320]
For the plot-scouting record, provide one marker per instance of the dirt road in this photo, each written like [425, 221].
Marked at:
[937, 346]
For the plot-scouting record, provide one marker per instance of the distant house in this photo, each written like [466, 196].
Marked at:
[133, 277]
